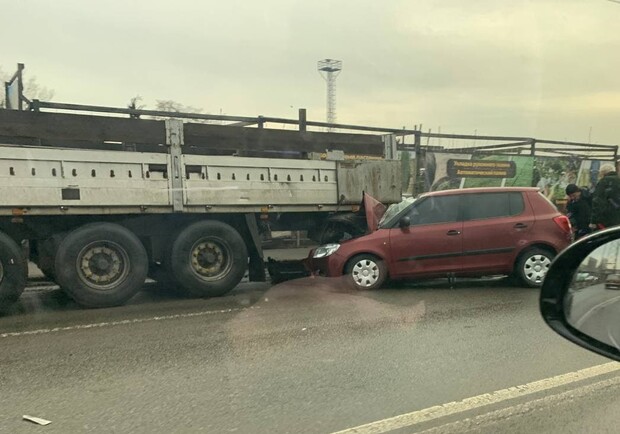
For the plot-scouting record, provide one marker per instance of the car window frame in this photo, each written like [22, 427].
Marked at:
[465, 210]
[394, 222]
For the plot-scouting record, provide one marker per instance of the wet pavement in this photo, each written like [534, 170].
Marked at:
[304, 356]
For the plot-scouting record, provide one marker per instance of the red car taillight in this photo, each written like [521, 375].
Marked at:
[564, 223]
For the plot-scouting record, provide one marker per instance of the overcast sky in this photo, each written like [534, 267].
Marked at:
[543, 68]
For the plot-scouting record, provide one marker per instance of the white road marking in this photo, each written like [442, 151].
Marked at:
[122, 322]
[454, 407]
[518, 410]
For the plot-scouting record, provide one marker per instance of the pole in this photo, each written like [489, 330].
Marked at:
[20, 86]
[417, 146]
[302, 119]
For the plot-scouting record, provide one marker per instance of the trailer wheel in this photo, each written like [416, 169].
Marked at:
[208, 258]
[13, 271]
[101, 265]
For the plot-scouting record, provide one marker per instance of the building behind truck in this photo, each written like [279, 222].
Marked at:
[104, 197]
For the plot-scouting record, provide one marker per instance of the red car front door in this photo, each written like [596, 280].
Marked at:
[432, 243]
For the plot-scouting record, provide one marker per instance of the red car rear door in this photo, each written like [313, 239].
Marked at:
[495, 226]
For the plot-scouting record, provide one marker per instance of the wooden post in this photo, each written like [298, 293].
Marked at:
[302, 119]
[417, 146]
[20, 86]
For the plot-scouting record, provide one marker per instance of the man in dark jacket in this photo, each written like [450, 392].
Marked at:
[578, 210]
[606, 200]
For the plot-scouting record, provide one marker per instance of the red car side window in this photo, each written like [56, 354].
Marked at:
[435, 209]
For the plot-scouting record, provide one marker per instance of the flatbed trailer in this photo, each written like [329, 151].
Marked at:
[102, 202]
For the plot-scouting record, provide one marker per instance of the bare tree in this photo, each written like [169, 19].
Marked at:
[176, 107]
[3, 78]
[32, 89]
[173, 106]
[135, 104]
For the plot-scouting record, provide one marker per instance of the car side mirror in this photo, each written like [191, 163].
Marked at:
[404, 222]
[580, 296]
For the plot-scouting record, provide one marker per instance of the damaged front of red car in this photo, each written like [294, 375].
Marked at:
[368, 252]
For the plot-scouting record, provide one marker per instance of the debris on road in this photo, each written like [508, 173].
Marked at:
[283, 270]
[36, 420]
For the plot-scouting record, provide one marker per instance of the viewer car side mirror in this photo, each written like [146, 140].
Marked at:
[580, 296]
[404, 222]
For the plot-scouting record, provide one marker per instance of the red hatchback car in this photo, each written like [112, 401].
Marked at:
[468, 232]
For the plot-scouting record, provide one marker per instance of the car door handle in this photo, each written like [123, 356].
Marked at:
[520, 226]
[454, 232]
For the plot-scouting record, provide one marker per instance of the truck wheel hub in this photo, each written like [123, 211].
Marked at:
[102, 265]
[210, 259]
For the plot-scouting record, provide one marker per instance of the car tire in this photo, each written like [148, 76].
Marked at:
[532, 266]
[13, 271]
[366, 272]
[208, 259]
[101, 265]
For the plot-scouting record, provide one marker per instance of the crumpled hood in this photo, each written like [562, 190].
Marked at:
[374, 210]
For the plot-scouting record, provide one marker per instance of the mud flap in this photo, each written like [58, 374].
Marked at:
[256, 268]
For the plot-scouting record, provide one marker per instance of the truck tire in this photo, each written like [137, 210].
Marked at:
[208, 258]
[101, 265]
[13, 271]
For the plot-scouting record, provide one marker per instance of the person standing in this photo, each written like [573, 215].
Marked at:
[578, 210]
[606, 200]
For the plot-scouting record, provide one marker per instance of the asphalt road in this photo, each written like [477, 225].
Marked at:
[303, 356]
